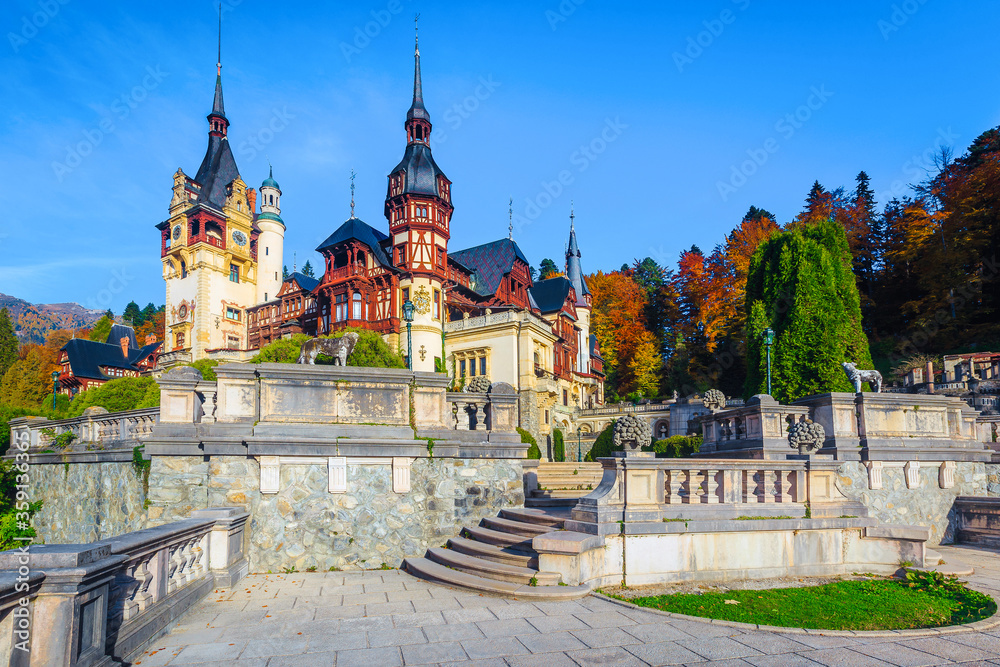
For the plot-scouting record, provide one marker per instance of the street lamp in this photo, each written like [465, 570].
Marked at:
[768, 336]
[408, 317]
[55, 385]
[579, 446]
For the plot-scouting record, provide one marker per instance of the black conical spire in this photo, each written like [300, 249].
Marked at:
[417, 109]
[218, 107]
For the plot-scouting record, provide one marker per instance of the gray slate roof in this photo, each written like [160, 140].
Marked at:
[355, 228]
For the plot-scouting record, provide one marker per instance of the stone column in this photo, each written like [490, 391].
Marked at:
[226, 553]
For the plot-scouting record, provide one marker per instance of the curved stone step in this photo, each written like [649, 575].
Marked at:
[532, 516]
[560, 493]
[515, 527]
[492, 552]
[490, 569]
[427, 569]
[498, 538]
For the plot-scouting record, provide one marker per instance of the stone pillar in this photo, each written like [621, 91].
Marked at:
[179, 402]
[226, 552]
[930, 377]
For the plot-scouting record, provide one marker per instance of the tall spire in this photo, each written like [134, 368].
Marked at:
[574, 271]
[352, 192]
[417, 109]
[218, 108]
[510, 215]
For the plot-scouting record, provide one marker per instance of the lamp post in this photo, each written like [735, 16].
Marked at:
[408, 317]
[768, 336]
[55, 385]
[579, 445]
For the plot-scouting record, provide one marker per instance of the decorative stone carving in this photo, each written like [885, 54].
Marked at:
[946, 475]
[338, 348]
[270, 474]
[336, 467]
[631, 433]
[856, 377]
[401, 474]
[874, 475]
[98, 410]
[714, 399]
[502, 388]
[806, 436]
[478, 384]
[912, 473]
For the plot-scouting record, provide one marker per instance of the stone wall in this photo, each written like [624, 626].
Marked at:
[86, 501]
[304, 525]
[927, 504]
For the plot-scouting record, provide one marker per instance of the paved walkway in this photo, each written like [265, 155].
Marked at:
[385, 618]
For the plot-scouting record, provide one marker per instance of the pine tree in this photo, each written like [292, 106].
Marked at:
[547, 268]
[307, 270]
[284, 272]
[802, 286]
[132, 314]
[8, 342]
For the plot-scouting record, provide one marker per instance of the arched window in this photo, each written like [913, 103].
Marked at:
[270, 200]
[184, 270]
[356, 306]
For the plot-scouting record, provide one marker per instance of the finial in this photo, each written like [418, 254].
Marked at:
[295, 262]
[510, 215]
[352, 192]
[416, 33]
[572, 217]
[218, 63]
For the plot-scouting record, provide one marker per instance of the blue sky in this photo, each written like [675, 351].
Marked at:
[662, 121]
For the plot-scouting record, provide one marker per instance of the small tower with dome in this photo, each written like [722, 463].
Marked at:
[271, 242]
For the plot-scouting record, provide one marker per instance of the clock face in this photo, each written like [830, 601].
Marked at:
[182, 312]
[239, 238]
[177, 232]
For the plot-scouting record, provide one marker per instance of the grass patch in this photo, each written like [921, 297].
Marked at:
[922, 601]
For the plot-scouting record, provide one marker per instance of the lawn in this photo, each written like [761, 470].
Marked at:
[923, 601]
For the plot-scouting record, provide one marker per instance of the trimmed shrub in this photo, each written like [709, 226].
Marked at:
[604, 445]
[533, 451]
[118, 395]
[370, 352]
[675, 447]
[558, 446]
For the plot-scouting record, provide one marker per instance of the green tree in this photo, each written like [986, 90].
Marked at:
[27, 381]
[101, 329]
[132, 314]
[604, 445]
[118, 395]
[284, 272]
[307, 269]
[8, 342]
[801, 285]
[148, 313]
[371, 351]
[558, 446]
[527, 438]
[547, 268]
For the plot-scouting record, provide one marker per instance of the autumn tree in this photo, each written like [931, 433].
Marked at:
[8, 342]
[101, 329]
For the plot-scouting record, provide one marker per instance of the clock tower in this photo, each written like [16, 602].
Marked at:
[418, 208]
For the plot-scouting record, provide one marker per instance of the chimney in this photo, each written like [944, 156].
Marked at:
[124, 343]
[252, 200]
[150, 338]
[930, 377]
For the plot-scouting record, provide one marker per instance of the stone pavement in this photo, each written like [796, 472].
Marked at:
[384, 618]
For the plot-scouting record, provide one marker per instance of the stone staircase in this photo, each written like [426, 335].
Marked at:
[560, 484]
[496, 558]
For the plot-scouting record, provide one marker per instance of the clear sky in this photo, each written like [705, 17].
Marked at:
[665, 121]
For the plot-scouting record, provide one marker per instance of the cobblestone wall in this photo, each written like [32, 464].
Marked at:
[85, 502]
[926, 505]
[304, 525]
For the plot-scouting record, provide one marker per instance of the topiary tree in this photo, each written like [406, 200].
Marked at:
[801, 285]
[604, 445]
[533, 451]
[558, 446]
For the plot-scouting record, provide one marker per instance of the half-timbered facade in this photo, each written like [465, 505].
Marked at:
[85, 364]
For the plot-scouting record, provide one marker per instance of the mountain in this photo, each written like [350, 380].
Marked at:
[33, 322]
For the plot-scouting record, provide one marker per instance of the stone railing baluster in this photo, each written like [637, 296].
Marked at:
[711, 486]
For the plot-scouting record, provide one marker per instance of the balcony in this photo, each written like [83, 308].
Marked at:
[345, 272]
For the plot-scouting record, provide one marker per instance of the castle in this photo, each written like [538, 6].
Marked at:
[476, 312]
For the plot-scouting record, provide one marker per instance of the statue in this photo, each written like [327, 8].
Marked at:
[631, 433]
[338, 348]
[874, 378]
[477, 384]
[806, 436]
[714, 399]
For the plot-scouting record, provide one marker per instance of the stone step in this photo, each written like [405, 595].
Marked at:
[559, 493]
[542, 502]
[932, 558]
[427, 569]
[493, 553]
[980, 537]
[532, 516]
[497, 538]
[515, 527]
[490, 569]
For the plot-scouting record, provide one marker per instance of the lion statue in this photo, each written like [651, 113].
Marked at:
[874, 378]
[338, 348]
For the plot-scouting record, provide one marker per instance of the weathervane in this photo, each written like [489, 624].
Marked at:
[352, 192]
[510, 214]
[416, 31]
[218, 63]
[572, 217]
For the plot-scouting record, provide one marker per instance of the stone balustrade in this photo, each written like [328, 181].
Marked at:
[98, 430]
[104, 602]
[758, 429]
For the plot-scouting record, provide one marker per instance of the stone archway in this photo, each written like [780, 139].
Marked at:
[661, 429]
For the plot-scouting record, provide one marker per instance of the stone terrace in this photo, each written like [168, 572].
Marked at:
[385, 618]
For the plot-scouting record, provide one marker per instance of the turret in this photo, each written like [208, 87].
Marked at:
[271, 242]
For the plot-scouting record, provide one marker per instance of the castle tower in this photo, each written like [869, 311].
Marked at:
[574, 272]
[271, 241]
[418, 208]
[207, 246]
